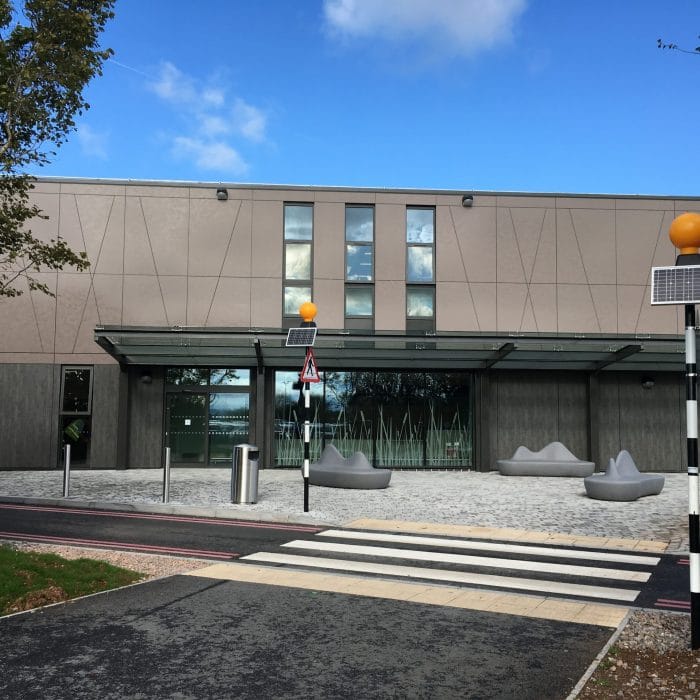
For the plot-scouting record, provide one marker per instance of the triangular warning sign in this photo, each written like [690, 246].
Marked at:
[310, 371]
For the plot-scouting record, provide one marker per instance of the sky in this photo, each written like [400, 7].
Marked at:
[482, 95]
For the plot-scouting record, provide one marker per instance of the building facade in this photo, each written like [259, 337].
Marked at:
[452, 327]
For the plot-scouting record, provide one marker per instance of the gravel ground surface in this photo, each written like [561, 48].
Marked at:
[650, 659]
[150, 565]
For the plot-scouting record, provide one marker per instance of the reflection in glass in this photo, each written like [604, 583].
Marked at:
[187, 375]
[298, 222]
[420, 264]
[186, 427]
[358, 262]
[230, 377]
[397, 419]
[76, 390]
[294, 297]
[289, 407]
[420, 226]
[358, 301]
[297, 262]
[228, 425]
[75, 431]
[359, 224]
[420, 302]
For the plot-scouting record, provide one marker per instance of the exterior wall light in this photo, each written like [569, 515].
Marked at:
[467, 200]
[647, 382]
[146, 377]
[222, 194]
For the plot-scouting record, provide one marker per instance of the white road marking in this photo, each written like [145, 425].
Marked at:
[493, 547]
[523, 584]
[471, 560]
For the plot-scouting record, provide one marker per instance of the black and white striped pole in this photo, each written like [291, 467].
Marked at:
[685, 235]
[691, 404]
[309, 374]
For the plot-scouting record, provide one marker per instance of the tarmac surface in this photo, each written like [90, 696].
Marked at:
[484, 499]
[246, 630]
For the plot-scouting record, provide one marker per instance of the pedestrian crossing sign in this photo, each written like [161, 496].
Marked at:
[310, 371]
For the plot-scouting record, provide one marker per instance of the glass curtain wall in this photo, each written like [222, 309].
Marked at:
[409, 420]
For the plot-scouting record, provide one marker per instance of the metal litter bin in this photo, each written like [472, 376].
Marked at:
[244, 474]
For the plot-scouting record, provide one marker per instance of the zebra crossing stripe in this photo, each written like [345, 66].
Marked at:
[508, 582]
[484, 546]
[471, 560]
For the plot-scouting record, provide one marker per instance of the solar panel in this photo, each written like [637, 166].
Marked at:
[301, 336]
[679, 284]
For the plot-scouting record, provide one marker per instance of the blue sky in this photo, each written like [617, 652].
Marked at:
[506, 95]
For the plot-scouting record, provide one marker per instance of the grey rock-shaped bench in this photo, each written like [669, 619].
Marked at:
[622, 481]
[355, 472]
[552, 460]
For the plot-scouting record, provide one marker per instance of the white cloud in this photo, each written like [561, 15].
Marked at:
[213, 125]
[464, 26]
[93, 143]
[210, 155]
[249, 120]
[174, 86]
[210, 119]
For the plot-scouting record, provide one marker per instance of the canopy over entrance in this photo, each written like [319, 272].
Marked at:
[260, 348]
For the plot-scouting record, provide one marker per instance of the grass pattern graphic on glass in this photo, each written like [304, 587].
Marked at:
[398, 420]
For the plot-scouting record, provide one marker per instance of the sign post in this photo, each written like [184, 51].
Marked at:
[306, 336]
[681, 285]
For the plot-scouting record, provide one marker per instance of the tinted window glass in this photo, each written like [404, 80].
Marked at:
[359, 224]
[76, 390]
[294, 297]
[230, 377]
[297, 264]
[298, 222]
[358, 301]
[358, 262]
[419, 225]
[420, 302]
[420, 264]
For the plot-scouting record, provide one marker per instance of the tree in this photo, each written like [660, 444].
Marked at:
[49, 52]
[674, 47]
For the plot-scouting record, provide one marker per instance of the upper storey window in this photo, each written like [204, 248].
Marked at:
[420, 269]
[298, 256]
[359, 244]
[420, 239]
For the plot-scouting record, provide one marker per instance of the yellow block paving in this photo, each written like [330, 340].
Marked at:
[524, 605]
[508, 534]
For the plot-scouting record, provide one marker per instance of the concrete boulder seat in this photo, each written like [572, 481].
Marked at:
[355, 472]
[552, 460]
[622, 481]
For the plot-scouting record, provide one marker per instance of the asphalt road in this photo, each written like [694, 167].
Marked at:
[223, 540]
[207, 538]
[187, 637]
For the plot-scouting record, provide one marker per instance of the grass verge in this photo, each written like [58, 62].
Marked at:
[29, 579]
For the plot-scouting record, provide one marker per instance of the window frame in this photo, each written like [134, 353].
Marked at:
[430, 245]
[356, 320]
[288, 283]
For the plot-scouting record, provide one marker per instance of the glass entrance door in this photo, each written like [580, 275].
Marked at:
[186, 427]
[228, 425]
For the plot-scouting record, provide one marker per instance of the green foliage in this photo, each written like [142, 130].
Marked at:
[49, 52]
[28, 579]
